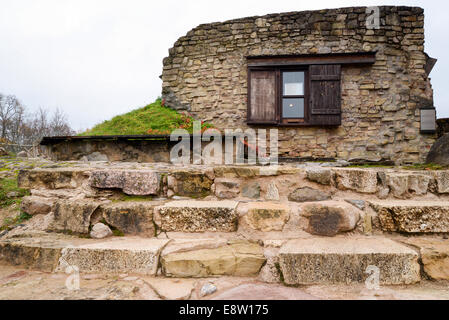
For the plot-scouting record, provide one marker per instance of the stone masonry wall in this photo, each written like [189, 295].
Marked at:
[206, 73]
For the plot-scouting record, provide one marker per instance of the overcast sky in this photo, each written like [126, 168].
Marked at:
[96, 59]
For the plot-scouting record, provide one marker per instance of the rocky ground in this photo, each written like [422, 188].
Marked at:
[21, 283]
[18, 283]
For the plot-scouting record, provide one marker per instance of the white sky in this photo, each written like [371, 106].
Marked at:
[96, 59]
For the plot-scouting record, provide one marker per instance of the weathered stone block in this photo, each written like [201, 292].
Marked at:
[347, 260]
[413, 216]
[320, 175]
[132, 218]
[191, 183]
[212, 258]
[55, 178]
[402, 185]
[267, 216]
[434, 256]
[36, 205]
[197, 216]
[442, 179]
[363, 181]
[139, 256]
[329, 218]
[132, 182]
[307, 194]
[251, 190]
[73, 216]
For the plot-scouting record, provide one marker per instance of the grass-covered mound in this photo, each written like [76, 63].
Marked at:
[154, 119]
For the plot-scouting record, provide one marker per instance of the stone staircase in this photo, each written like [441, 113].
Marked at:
[296, 225]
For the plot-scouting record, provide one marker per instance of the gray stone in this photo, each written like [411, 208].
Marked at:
[359, 180]
[260, 291]
[272, 192]
[319, 175]
[361, 204]
[413, 216]
[329, 218]
[73, 216]
[251, 190]
[208, 289]
[100, 231]
[439, 153]
[132, 182]
[442, 178]
[307, 194]
[403, 185]
[347, 260]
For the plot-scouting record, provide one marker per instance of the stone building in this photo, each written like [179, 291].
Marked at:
[335, 83]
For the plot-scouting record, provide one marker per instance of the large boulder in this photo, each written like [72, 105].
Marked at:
[439, 153]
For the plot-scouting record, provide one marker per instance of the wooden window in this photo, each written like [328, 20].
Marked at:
[294, 96]
[299, 90]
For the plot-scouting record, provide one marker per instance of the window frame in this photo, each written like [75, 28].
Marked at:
[278, 70]
[282, 96]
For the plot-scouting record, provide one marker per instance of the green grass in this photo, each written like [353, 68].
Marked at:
[7, 186]
[9, 223]
[154, 119]
[428, 166]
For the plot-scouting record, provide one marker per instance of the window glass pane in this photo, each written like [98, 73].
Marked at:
[293, 108]
[293, 83]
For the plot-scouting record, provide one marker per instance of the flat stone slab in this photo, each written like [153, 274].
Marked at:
[205, 258]
[347, 260]
[434, 256]
[197, 216]
[138, 256]
[413, 216]
[131, 182]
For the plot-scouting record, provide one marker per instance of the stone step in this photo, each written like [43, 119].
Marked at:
[412, 216]
[197, 216]
[348, 260]
[308, 183]
[303, 261]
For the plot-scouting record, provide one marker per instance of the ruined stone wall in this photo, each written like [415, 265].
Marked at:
[206, 73]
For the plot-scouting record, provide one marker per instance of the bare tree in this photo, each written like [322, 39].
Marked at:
[18, 126]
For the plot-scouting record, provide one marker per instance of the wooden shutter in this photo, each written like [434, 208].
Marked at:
[262, 97]
[325, 95]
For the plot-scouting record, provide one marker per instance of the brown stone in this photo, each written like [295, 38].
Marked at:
[36, 205]
[267, 216]
[329, 218]
[132, 182]
[307, 194]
